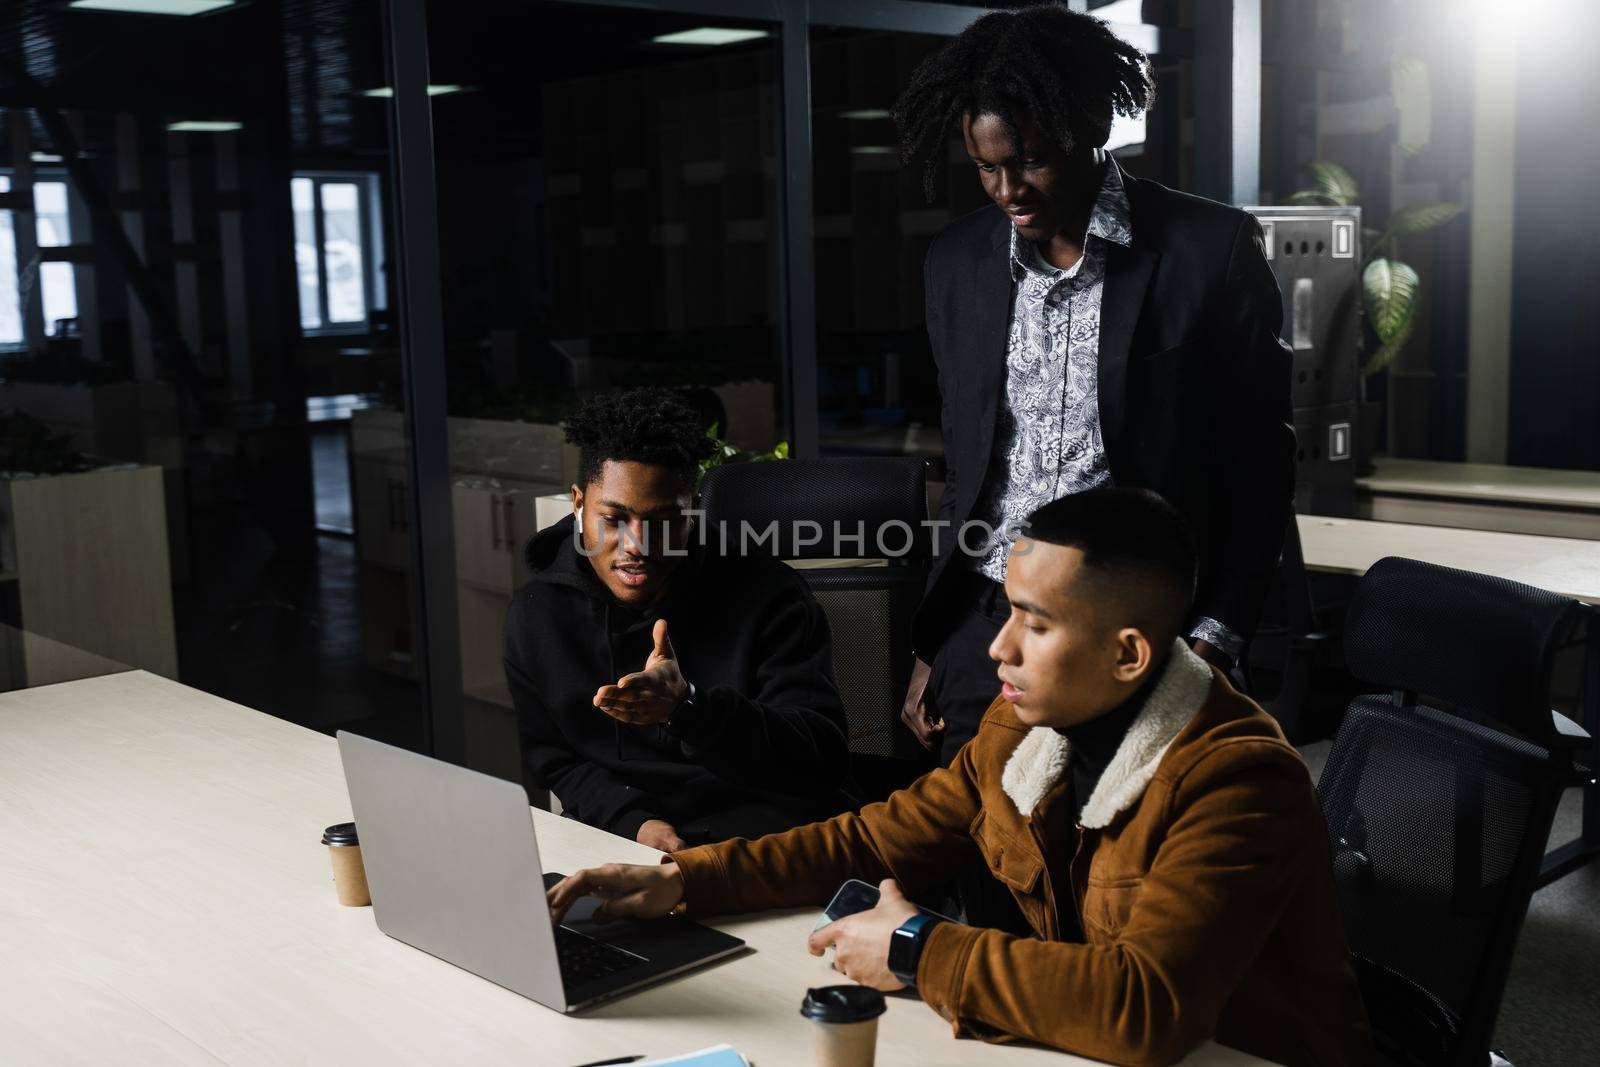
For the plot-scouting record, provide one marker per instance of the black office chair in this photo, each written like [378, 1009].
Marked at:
[1439, 796]
[881, 500]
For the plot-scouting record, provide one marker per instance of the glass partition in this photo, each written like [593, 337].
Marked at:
[186, 327]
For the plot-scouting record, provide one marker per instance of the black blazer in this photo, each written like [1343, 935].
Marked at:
[1193, 389]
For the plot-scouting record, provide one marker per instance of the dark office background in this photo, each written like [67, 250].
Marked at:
[248, 306]
[329, 273]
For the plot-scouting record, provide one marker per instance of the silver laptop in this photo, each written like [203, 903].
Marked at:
[453, 867]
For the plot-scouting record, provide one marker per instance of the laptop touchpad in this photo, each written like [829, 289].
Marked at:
[581, 912]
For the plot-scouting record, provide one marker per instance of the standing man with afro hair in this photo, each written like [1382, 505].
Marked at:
[1089, 329]
[663, 692]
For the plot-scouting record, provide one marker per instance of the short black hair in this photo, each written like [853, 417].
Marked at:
[1127, 535]
[647, 424]
[1065, 69]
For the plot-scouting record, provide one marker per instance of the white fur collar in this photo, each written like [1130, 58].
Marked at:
[1040, 760]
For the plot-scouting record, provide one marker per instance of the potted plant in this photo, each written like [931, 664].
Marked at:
[726, 453]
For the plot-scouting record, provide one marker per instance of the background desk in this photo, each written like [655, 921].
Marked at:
[1483, 496]
[1563, 565]
[164, 899]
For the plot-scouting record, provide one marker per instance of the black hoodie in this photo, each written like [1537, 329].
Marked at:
[764, 748]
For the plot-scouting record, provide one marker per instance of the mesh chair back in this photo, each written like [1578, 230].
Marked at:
[1428, 815]
[1473, 641]
[875, 506]
[1438, 822]
[794, 509]
[869, 613]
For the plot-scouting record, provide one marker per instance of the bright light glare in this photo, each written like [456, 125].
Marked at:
[203, 126]
[153, 7]
[1126, 130]
[1502, 17]
[433, 90]
[710, 35]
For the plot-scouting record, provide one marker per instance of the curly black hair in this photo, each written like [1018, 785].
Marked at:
[1065, 69]
[648, 424]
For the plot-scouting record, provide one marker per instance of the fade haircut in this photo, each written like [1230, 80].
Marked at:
[1133, 542]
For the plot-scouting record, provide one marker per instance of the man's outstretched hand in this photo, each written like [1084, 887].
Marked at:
[649, 696]
[626, 891]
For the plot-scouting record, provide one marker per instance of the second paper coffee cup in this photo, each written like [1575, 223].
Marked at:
[845, 1018]
[349, 875]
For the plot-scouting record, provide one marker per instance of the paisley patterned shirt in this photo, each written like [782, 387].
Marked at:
[1047, 431]
[1047, 439]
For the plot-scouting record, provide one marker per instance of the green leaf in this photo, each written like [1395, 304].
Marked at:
[1309, 196]
[725, 453]
[1417, 218]
[1387, 352]
[1390, 292]
[1335, 182]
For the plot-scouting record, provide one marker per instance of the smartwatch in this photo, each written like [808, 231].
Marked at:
[684, 712]
[905, 946]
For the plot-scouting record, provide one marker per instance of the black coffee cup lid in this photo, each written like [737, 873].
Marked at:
[842, 1004]
[342, 834]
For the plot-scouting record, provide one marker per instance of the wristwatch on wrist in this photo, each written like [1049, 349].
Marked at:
[905, 946]
[684, 710]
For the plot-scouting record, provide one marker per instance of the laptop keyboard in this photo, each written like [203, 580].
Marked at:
[583, 959]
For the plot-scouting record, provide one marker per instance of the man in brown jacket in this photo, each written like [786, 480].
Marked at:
[1160, 837]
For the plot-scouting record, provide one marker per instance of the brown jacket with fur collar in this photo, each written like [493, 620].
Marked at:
[1201, 875]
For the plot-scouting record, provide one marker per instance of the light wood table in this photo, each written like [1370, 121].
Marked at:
[1564, 565]
[164, 899]
[1484, 496]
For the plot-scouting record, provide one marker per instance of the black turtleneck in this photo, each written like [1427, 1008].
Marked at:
[1096, 741]
[1093, 744]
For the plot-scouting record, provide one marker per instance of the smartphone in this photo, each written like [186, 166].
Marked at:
[856, 896]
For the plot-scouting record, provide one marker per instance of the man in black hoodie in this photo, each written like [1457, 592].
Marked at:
[663, 692]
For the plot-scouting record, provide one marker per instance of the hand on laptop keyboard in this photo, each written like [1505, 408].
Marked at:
[626, 890]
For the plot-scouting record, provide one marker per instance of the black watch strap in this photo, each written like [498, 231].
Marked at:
[682, 714]
[906, 944]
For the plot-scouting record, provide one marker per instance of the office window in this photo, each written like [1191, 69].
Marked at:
[57, 283]
[10, 295]
[55, 231]
[338, 247]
